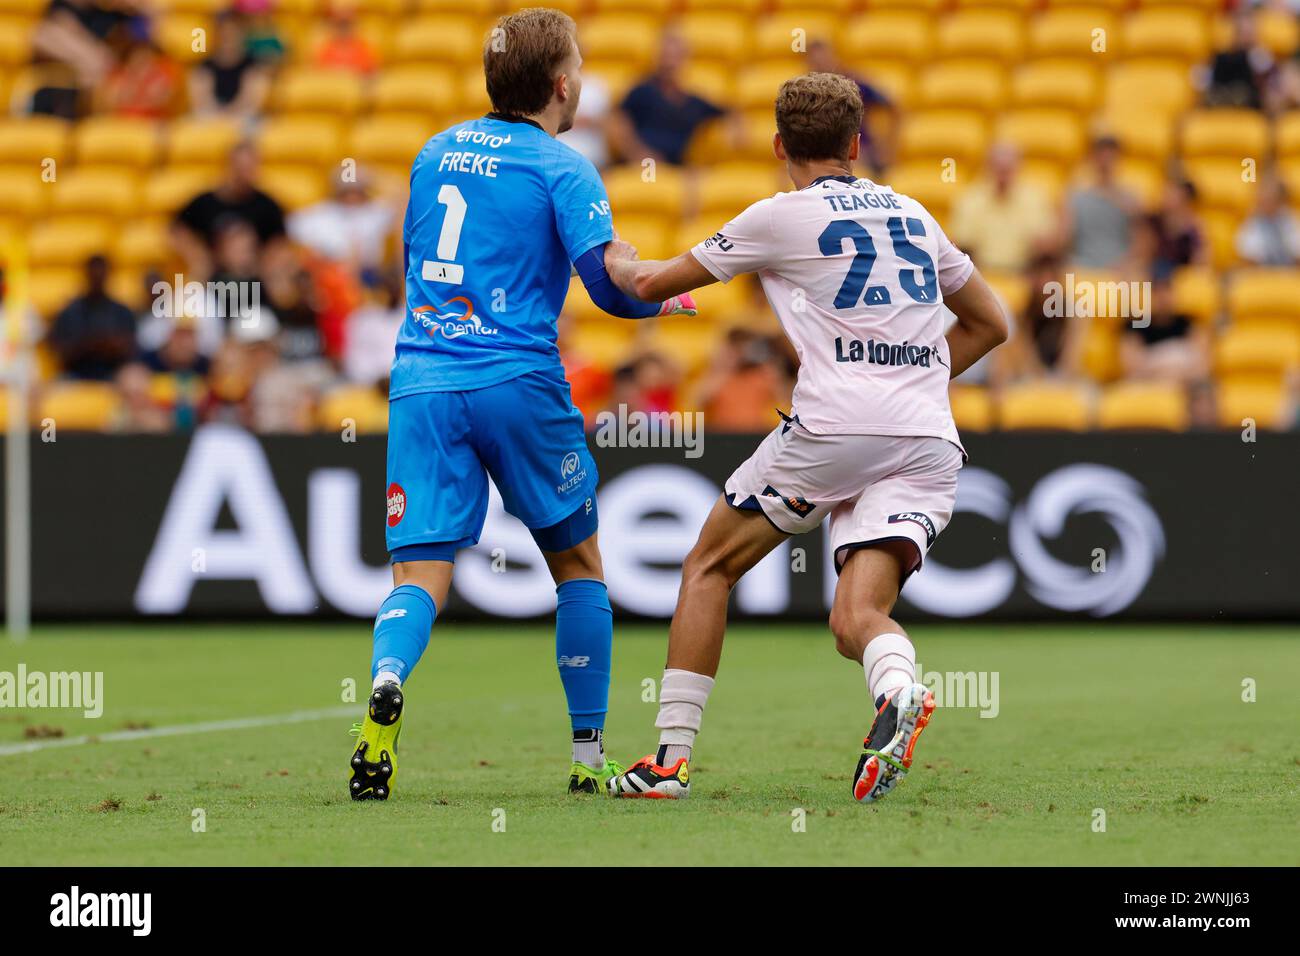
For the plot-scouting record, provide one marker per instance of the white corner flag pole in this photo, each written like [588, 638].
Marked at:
[18, 514]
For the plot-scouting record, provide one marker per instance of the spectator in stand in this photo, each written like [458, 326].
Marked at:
[1001, 220]
[231, 81]
[236, 198]
[1047, 339]
[76, 32]
[179, 353]
[1170, 347]
[1173, 235]
[1270, 236]
[352, 227]
[876, 154]
[343, 48]
[659, 117]
[94, 334]
[145, 83]
[648, 383]
[262, 36]
[1241, 75]
[139, 411]
[1097, 222]
[590, 382]
[371, 331]
[746, 382]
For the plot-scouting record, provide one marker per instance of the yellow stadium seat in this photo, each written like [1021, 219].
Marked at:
[1264, 294]
[759, 128]
[293, 186]
[117, 141]
[626, 37]
[726, 189]
[142, 242]
[1011, 288]
[482, 8]
[1042, 133]
[658, 7]
[1072, 32]
[1153, 85]
[597, 337]
[637, 189]
[1279, 32]
[106, 191]
[1262, 349]
[473, 100]
[380, 141]
[757, 86]
[651, 234]
[32, 140]
[364, 408]
[1143, 405]
[67, 241]
[1286, 133]
[1196, 293]
[788, 34]
[306, 89]
[903, 34]
[620, 76]
[984, 33]
[1100, 356]
[721, 301]
[713, 79]
[1263, 403]
[1221, 183]
[1221, 233]
[413, 89]
[1225, 132]
[1175, 32]
[895, 78]
[50, 288]
[1141, 133]
[963, 84]
[1045, 406]
[972, 408]
[300, 139]
[717, 35]
[178, 35]
[198, 142]
[688, 342]
[15, 39]
[924, 181]
[79, 406]
[438, 40]
[960, 134]
[1071, 84]
[168, 190]
[26, 194]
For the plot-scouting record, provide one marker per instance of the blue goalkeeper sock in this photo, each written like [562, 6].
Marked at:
[584, 644]
[402, 631]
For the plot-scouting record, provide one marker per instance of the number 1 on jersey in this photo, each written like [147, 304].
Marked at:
[444, 269]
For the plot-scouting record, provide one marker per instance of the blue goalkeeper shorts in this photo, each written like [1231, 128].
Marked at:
[524, 433]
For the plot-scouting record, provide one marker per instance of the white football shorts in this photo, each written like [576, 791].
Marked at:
[871, 488]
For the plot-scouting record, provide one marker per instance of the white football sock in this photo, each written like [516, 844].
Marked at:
[386, 677]
[889, 663]
[682, 696]
[589, 747]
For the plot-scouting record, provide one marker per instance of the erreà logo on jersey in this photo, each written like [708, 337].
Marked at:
[917, 517]
[454, 318]
[396, 504]
[718, 241]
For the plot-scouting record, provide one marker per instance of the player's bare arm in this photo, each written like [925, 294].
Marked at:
[981, 324]
[654, 280]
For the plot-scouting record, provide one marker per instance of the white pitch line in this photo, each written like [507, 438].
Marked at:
[176, 730]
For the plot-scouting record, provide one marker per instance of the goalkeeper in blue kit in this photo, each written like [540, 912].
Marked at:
[500, 215]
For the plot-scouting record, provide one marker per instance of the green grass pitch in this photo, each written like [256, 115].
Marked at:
[1144, 723]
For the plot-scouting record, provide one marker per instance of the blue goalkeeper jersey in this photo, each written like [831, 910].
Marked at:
[499, 211]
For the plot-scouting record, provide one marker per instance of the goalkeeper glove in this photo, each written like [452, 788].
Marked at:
[683, 304]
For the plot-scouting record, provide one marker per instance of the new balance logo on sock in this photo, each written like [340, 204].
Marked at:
[575, 661]
[389, 615]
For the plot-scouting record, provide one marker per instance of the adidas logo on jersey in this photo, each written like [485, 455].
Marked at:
[882, 353]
